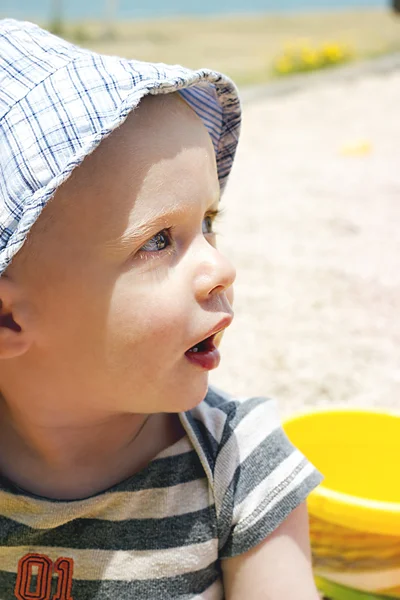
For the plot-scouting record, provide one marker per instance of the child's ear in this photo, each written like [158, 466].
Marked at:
[15, 320]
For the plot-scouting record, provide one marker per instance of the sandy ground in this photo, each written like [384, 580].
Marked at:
[312, 223]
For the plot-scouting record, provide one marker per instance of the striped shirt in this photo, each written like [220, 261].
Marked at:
[216, 493]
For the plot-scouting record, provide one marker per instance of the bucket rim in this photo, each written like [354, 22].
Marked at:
[347, 510]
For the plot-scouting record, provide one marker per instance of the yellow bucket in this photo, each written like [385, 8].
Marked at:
[355, 512]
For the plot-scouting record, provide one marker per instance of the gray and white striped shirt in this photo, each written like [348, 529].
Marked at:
[216, 493]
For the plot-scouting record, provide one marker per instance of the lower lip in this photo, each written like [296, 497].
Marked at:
[207, 360]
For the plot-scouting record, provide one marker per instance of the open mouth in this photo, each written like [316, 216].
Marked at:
[205, 345]
[205, 354]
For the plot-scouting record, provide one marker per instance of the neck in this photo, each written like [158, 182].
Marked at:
[80, 459]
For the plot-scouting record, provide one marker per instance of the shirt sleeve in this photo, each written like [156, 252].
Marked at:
[259, 476]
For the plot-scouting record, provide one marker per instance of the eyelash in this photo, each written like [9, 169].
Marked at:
[166, 233]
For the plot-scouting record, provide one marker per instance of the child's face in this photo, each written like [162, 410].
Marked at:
[127, 277]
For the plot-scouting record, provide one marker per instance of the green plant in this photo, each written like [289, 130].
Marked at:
[56, 26]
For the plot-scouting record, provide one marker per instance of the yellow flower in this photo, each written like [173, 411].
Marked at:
[302, 55]
[333, 52]
[284, 65]
[310, 57]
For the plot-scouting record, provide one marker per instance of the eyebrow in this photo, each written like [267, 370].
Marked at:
[150, 224]
[136, 232]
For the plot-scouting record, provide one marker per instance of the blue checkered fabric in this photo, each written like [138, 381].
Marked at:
[58, 101]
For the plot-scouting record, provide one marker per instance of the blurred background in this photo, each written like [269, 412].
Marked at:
[312, 209]
[251, 40]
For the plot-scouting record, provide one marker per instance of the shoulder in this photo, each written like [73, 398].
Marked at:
[256, 475]
[237, 425]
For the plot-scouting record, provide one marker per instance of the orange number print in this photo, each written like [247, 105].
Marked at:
[64, 567]
[43, 568]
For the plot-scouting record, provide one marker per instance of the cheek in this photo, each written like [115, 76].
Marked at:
[154, 317]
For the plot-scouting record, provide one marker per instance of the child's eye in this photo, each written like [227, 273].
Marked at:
[158, 242]
[209, 221]
[208, 224]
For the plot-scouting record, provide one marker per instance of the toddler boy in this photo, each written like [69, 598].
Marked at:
[123, 475]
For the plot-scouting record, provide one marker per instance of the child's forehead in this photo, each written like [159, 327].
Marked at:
[136, 162]
[160, 128]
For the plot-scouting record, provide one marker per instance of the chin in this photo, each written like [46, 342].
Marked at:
[186, 399]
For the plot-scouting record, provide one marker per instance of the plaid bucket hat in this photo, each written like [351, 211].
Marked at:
[57, 103]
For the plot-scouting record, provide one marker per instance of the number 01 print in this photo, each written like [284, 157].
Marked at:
[43, 568]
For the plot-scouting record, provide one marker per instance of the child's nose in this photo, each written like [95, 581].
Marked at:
[214, 273]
